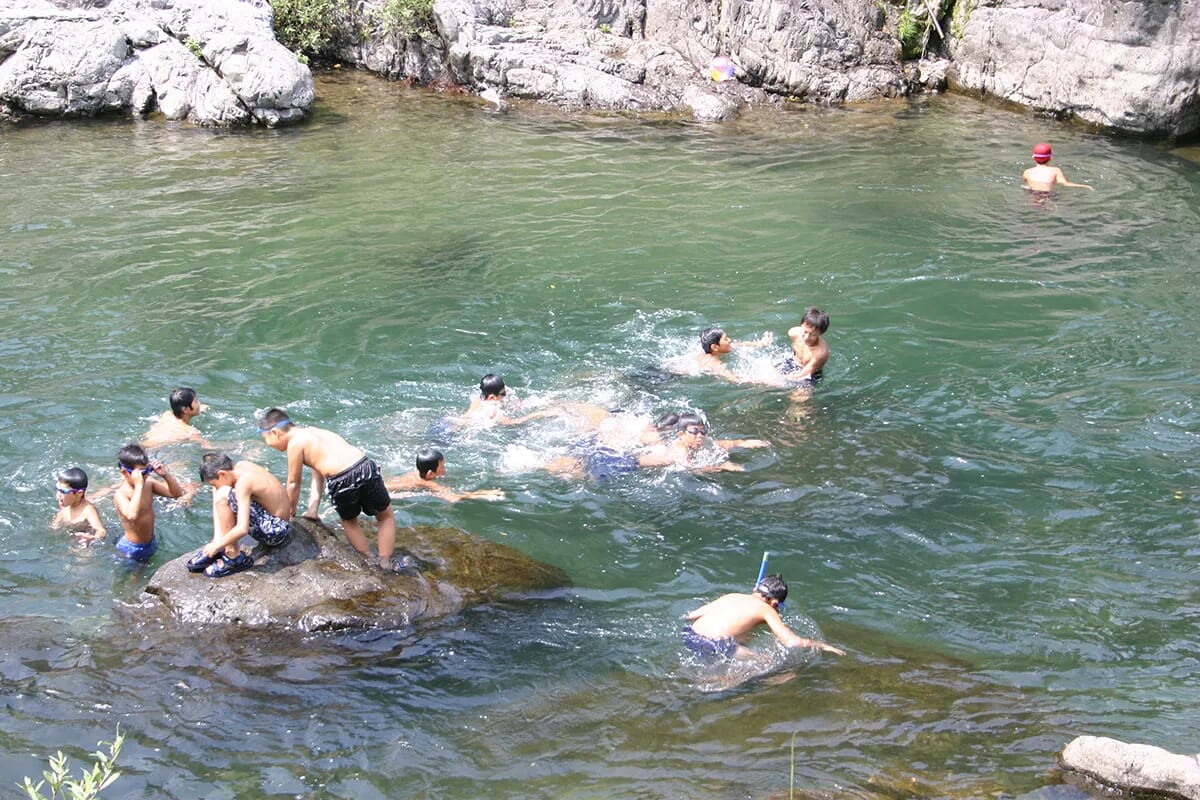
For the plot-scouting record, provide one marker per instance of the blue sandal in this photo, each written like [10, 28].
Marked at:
[199, 562]
[225, 565]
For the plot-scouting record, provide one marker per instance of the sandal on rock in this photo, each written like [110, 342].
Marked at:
[199, 562]
[227, 566]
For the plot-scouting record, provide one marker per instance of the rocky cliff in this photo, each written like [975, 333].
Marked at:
[1128, 65]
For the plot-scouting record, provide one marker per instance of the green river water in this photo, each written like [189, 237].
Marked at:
[989, 501]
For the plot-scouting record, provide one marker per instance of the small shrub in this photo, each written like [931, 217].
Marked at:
[193, 44]
[307, 27]
[88, 787]
[412, 18]
[605, 27]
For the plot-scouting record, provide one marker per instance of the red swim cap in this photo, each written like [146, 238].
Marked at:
[1041, 151]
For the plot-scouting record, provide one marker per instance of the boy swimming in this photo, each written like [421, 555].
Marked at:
[714, 344]
[431, 465]
[134, 500]
[718, 630]
[176, 425]
[488, 408]
[75, 512]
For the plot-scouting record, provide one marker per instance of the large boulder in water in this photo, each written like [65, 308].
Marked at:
[1136, 768]
[318, 582]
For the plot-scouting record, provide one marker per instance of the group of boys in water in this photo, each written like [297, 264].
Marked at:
[249, 500]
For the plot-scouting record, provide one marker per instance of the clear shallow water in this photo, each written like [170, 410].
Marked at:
[990, 500]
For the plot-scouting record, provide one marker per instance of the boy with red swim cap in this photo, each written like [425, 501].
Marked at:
[1042, 177]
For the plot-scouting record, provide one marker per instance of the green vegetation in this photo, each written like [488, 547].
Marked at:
[193, 44]
[411, 18]
[308, 27]
[89, 785]
[605, 27]
[920, 20]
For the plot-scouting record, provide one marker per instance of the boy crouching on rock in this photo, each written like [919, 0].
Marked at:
[247, 499]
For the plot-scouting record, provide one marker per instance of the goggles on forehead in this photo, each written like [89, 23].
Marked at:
[279, 424]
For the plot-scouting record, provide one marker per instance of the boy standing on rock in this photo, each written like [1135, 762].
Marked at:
[353, 480]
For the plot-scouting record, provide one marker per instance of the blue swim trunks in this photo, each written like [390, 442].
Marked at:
[706, 648]
[604, 464]
[266, 528]
[137, 552]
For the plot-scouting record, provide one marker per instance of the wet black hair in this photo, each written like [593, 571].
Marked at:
[132, 456]
[272, 418]
[666, 422]
[74, 477]
[710, 338]
[490, 384]
[817, 318]
[773, 587]
[182, 399]
[690, 418]
[212, 463]
[428, 460]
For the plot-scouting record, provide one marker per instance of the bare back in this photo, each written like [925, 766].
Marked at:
[169, 428]
[263, 488]
[729, 616]
[322, 451]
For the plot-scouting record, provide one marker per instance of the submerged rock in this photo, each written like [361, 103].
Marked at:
[1135, 768]
[317, 582]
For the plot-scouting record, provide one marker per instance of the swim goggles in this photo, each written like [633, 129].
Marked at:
[280, 424]
[697, 430]
[61, 490]
[146, 470]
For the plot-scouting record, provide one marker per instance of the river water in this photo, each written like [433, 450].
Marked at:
[989, 502]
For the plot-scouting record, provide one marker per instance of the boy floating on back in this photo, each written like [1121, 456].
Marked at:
[351, 478]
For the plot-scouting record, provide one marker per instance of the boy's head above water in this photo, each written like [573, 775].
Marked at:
[1042, 152]
[773, 589]
[492, 386]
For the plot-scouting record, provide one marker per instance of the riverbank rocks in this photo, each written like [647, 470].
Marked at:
[1134, 768]
[1133, 67]
[316, 582]
[212, 62]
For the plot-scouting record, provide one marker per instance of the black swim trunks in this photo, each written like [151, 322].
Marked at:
[358, 489]
[790, 365]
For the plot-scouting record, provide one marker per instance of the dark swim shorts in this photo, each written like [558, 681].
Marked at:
[603, 463]
[266, 528]
[790, 365]
[358, 489]
[706, 648]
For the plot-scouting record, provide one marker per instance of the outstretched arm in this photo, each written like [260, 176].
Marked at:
[765, 340]
[1060, 178]
[784, 634]
[748, 444]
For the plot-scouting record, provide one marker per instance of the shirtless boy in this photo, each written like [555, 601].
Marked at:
[134, 499]
[809, 350]
[1041, 177]
[715, 343]
[488, 408]
[353, 480]
[431, 465]
[719, 629]
[602, 463]
[75, 512]
[176, 425]
[247, 499]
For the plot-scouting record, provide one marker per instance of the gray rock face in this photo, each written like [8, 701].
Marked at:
[654, 56]
[213, 62]
[317, 582]
[1131, 66]
[1134, 767]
